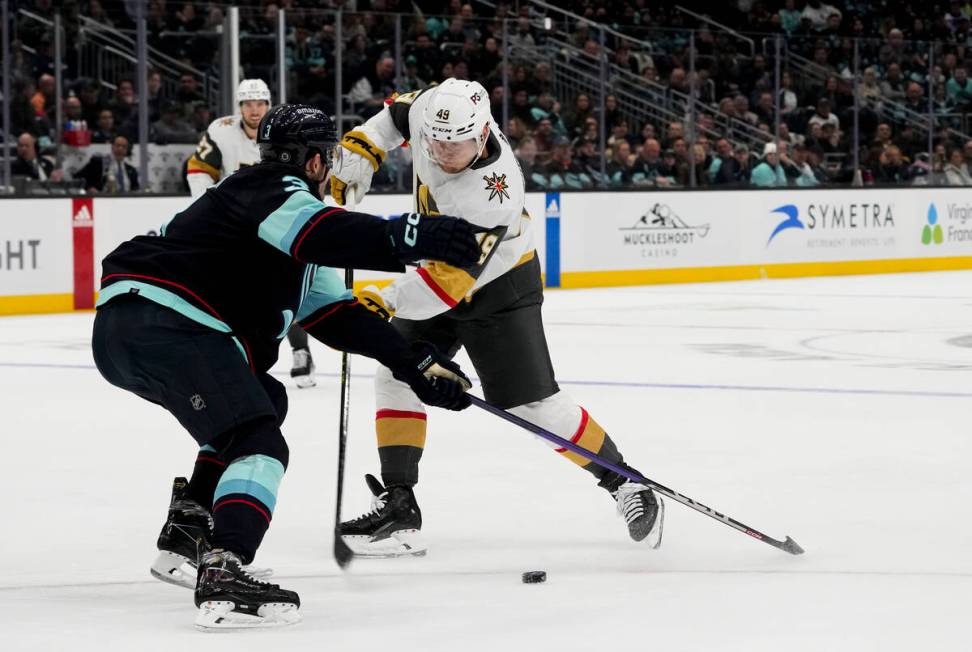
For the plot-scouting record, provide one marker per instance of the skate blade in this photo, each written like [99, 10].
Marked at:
[174, 569]
[303, 382]
[403, 543]
[216, 616]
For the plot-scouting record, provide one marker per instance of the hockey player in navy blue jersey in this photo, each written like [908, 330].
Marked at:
[192, 321]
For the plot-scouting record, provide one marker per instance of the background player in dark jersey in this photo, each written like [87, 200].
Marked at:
[193, 320]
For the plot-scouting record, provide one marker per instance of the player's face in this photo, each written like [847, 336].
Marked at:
[453, 156]
[253, 111]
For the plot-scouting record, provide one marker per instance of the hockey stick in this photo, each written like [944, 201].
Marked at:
[342, 553]
[789, 545]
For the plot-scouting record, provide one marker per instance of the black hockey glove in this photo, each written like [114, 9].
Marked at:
[450, 239]
[435, 379]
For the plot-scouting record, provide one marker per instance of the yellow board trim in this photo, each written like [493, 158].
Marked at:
[750, 272]
[36, 304]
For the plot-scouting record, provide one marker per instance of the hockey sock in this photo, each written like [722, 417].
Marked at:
[297, 337]
[591, 435]
[205, 475]
[401, 440]
[246, 493]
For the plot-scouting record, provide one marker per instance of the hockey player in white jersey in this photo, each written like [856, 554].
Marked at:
[228, 144]
[464, 165]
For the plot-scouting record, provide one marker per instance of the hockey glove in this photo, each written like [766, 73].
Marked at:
[435, 379]
[354, 163]
[370, 297]
[450, 239]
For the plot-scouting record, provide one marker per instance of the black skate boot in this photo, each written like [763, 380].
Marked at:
[229, 597]
[303, 370]
[643, 512]
[391, 528]
[183, 539]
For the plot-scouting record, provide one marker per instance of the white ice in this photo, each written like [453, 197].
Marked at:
[833, 410]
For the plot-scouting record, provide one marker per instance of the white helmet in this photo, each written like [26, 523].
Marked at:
[457, 110]
[252, 89]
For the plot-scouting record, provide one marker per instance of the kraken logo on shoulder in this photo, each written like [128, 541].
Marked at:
[497, 186]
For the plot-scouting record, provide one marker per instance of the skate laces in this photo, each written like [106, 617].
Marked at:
[377, 504]
[631, 503]
[226, 561]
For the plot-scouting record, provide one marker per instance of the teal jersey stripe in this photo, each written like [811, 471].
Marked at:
[206, 448]
[255, 475]
[168, 299]
[327, 288]
[281, 227]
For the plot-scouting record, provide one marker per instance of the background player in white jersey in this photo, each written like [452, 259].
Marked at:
[228, 144]
[464, 165]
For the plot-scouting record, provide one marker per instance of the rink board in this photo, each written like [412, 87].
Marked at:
[583, 239]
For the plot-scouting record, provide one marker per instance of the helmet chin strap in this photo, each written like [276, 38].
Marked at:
[482, 148]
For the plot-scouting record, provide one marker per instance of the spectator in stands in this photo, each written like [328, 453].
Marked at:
[765, 109]
[89, 94]
[123, 105]
[882, 135]
[574, 119]
[894, 50]
[29, 164]
[823, 115]
[515, 132]
[967, 153]
[544, 138]
[72, 109]
[769, 173]
[737, 171]
[372, 88]
[43, 98]
[563, 172]
[188, 94]
[548, 108]
[520, 107]
[109, 173]
[817, 13]
[526, 154]
[789, 17]
[521, 40]
[869, 88]
[670, 170]
[410, 80]
[153, 84]
[956, 171]
[104, 130]
[723, 150]
[702, 178]
[892, 168]
[612, 113]
[588, 161]
[742, 112]
[170, 128]
[799, 161]
[960, 88]
[619, 167]
[893, 84]
[646, 169]
[619, 133]
[202, 117]
[914, 100]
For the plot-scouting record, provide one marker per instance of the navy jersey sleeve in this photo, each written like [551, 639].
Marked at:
[301, 226]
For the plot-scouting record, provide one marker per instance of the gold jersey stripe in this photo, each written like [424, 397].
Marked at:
[392, 431]
[195, 165]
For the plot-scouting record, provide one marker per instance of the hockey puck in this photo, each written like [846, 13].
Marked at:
[534, 577]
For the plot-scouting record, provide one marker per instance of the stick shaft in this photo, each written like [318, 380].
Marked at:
[342, 553]
[789, 545]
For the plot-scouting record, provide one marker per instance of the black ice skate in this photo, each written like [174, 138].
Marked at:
[303, 369]
[392, 527]
[643, 512]
[183, 539]
[229, 597]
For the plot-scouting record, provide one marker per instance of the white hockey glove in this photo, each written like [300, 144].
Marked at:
[355, 161]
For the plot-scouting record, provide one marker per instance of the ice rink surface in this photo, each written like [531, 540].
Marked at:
[834, 410]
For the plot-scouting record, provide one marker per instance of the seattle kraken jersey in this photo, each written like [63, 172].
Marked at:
[249, 256]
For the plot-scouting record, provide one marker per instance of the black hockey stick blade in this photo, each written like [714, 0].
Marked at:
[342, 553]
